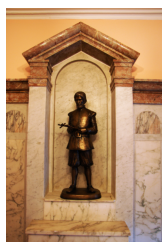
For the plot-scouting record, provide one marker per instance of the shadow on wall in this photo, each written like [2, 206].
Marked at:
[136, 69]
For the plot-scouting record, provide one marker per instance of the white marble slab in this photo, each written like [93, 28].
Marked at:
[65, 238]
[82, 211]
[148, 191]
[89, 228]
[148, 179]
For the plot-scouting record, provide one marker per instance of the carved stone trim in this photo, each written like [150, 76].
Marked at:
[81, 42]
[40, 73]
[81, 31]
[121, 82]
[85, 13]
[40, 82]
[17, 91]
[147, 91]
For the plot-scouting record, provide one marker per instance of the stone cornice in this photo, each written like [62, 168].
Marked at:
[80, 37]
[84, 13]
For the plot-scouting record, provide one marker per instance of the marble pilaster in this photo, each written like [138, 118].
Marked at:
[38, 138]
[122, 141]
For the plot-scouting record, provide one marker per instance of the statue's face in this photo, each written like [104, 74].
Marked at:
[79, 102]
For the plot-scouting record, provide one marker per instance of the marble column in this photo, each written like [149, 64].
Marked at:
[37, 138]
[122, 140]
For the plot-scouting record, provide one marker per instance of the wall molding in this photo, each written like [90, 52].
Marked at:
[84, 13]
[17, 90]
[147, 91]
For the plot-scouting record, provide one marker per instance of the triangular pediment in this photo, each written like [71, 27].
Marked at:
[81, 37]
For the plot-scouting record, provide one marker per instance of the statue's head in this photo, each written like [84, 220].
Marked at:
[80, 99]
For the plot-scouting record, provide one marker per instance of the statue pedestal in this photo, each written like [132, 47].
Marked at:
[80, 194]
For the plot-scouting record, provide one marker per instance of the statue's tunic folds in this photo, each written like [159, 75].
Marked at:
[82, 119]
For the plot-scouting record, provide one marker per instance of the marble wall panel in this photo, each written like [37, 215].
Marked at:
[148, 109]
[15, 121]
[148, 191]
[147, 122]
[88, 77]
[16, 125]
[148, 173]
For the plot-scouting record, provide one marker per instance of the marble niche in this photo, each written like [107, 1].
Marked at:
[80, 73]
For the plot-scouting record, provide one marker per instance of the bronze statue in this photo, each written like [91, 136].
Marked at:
[82, 123]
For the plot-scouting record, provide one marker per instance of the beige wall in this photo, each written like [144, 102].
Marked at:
[144, 36]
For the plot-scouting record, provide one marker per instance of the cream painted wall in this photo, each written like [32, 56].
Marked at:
[144, 36]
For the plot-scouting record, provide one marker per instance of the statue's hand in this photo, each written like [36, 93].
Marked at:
[83, 130]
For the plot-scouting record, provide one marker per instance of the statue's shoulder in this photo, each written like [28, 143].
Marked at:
[90, 112]
[72, 112]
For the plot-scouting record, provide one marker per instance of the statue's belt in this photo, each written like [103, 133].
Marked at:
[78, 135]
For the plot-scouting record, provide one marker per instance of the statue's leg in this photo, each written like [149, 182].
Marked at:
[74, 163]
[86, 162]
[74, 178]
[88, 179]
[74, 175]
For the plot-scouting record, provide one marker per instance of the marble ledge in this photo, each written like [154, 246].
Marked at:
[55, 196]
[98, 228]
[148, 137]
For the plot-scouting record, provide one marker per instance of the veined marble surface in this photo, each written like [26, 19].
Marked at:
[148, 191]
[147, 122]
[65, 238]
[148, 180]
[15, 171]
[15, 121]
[92, 228]
[124, 156]
[78, 73]
[37, 152]
[84, 211]
[145, 110]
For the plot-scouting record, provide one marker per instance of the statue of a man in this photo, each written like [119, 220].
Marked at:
[82, 123]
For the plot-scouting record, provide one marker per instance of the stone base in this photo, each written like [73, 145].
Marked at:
[80, 194]
[64, 238]
[77, 231]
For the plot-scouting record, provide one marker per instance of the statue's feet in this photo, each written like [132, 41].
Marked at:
[90, 189]
[71, 189]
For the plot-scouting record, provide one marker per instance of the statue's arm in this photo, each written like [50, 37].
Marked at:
[93, 129]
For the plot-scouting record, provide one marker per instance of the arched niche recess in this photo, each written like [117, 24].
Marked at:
[81, 73]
